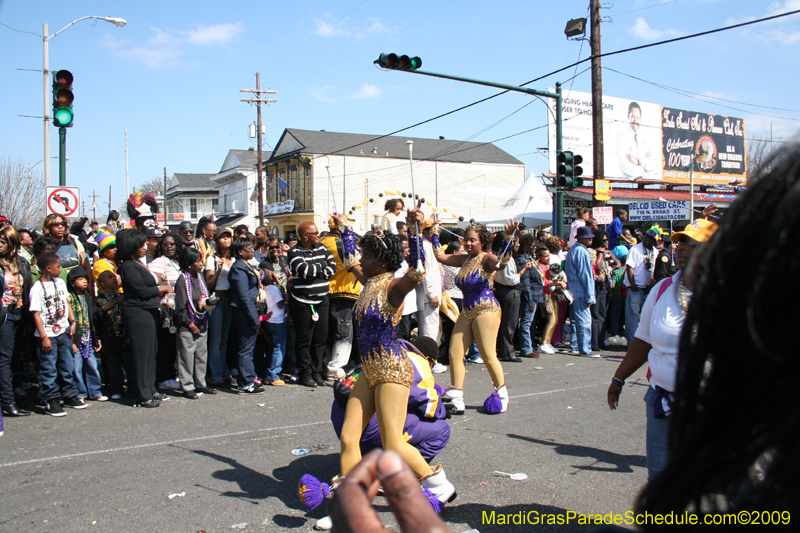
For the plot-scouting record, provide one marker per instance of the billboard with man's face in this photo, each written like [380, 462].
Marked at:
[644, 142]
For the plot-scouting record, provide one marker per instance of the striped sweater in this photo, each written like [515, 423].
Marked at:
[311, 270]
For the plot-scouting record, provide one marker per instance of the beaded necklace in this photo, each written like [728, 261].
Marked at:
[197, 315]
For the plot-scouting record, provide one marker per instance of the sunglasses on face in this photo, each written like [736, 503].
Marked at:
[275, 247]
[58, 224]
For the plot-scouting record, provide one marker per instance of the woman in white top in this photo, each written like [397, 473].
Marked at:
[217, 267]
[657, 341]
[165, 269]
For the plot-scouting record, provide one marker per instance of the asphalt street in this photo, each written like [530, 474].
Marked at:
[112, 467]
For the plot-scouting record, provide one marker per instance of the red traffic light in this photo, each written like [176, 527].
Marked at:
[64, 78]
[393, 62]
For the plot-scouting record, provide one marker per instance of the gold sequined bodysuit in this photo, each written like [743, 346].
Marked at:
[476, 286]
[383, 357]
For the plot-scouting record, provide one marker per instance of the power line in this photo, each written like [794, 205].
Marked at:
[704, 96]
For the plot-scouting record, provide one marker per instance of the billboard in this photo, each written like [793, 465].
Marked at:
[644, 141]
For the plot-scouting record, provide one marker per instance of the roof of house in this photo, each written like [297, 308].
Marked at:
[245, 158]
[192, 181]
[294, 141]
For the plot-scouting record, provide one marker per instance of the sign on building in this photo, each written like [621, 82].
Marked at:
[279, 207]
[655, 211]
[603, 215]
[644, 141]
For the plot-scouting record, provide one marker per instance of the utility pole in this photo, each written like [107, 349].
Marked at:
[598, 172]
[258, 101]
[165, 197]
[109, 199]
[94, 198]
[46, 71]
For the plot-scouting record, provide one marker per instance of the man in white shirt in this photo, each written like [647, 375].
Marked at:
[410, 302]
[639, 279]
[635, 159]
[429, 292]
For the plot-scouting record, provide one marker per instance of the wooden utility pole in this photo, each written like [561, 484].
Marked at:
[94, 198]
[258, 101]
[597, 98]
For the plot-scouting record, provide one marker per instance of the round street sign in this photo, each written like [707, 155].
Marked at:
[62, 200]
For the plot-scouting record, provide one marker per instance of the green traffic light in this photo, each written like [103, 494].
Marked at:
[63, 117]
[395, 62]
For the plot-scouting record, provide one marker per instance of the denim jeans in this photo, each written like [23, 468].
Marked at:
[276, 350]
[10, 330]
[525, 323]
[657, 438]
[58, 361]
[634, 302]
[87, 377]
[218, 329]
[580, 318]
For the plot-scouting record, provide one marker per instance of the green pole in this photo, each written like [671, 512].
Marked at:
[62, 157]
[558, 209]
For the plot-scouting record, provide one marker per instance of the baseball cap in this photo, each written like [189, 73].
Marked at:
[223, 230]
[700, 230]
[153, 233]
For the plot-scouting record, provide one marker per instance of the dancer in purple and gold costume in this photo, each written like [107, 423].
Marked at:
[480, 317]
[388, 372]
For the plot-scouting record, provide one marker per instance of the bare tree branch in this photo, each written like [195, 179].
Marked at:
[154, 186]
[21, 198]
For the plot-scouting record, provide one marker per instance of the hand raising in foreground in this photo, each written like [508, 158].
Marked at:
[351, 509]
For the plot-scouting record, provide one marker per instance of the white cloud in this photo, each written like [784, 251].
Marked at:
[328, 30]
[367, 91]
[642, 30]
[167, 45]
[776, 8]
[216, 34]
[321, 94]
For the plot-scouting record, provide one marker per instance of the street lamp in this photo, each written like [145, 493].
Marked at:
[116, 21]
[31, 167]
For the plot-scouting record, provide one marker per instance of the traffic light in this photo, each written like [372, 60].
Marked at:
[62, 99]
[395, 62]
[569, 170]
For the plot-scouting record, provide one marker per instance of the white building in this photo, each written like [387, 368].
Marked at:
[191, 197]
[465, 178]
[236, 182]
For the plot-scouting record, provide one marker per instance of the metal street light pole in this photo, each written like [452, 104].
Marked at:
[118, 22]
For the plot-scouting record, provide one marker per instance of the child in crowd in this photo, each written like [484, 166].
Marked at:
[84, 341]
[45, 244]
[55, 323]
[191, 319]
[111, 331]
[274, 321]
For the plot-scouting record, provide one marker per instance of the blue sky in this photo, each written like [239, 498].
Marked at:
[173, 74]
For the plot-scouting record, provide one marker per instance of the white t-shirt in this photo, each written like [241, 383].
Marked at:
[163, 265]
[636, 260]
[50, 299]
[573, 231]
[410, 302]
[660, 326]
[273, 297]
[222, 281]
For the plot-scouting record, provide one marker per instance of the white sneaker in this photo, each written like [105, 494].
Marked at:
[547, 348]
[438, 368]
[456, 404]
[503, 392]
[590, 354]
[478, 360]
[324, 524]
[437, 483]
[100, 398]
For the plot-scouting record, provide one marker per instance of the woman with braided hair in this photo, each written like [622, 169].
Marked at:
[480, 316]
[388, 373]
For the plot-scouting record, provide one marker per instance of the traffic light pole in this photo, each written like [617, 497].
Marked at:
[558, 208]
[62, 157]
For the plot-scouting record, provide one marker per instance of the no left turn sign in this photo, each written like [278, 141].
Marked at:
[63, 200]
